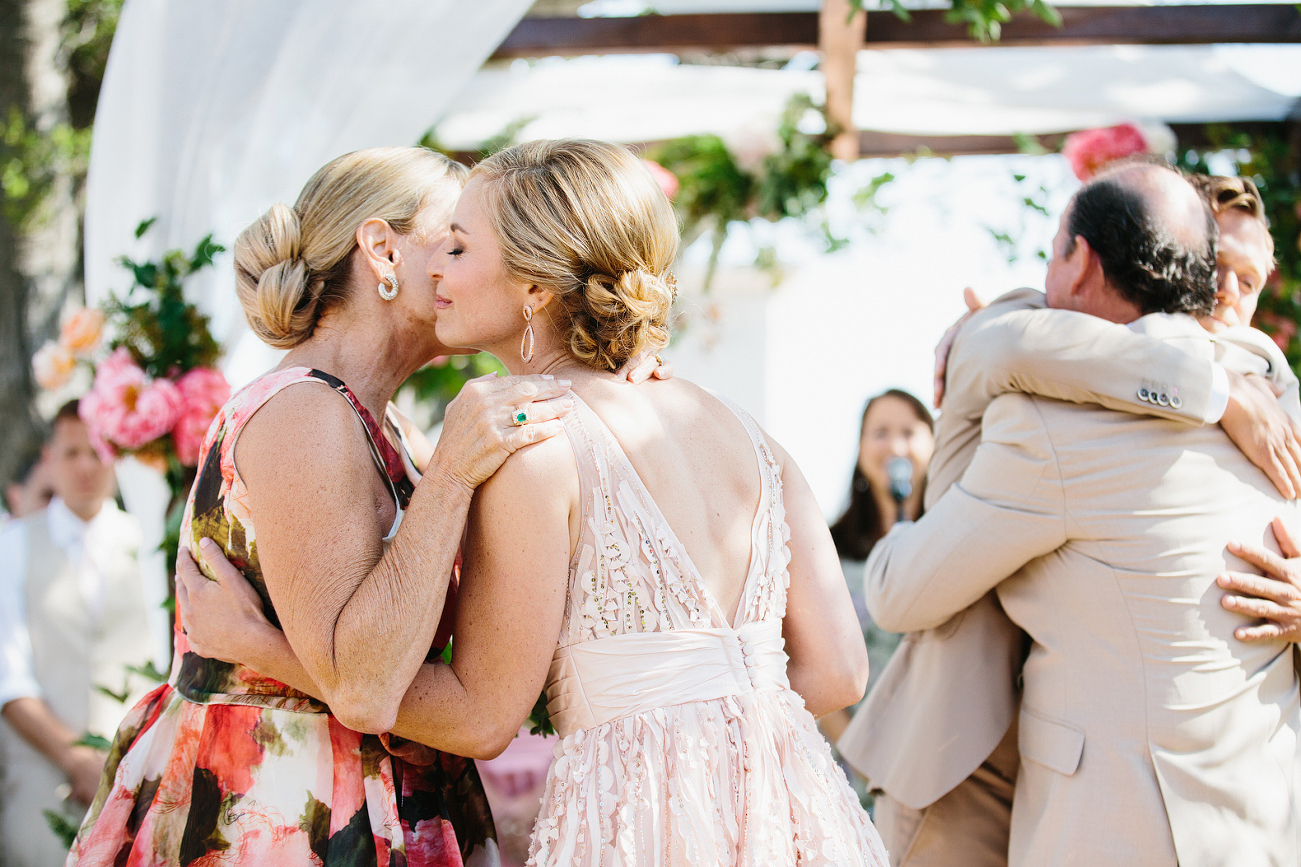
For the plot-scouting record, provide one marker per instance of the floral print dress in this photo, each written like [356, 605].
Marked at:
[222, 766]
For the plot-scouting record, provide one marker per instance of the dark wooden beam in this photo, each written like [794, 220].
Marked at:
[1081, 25]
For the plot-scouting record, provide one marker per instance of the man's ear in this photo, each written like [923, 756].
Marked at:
[378, 245]
[1083, 267]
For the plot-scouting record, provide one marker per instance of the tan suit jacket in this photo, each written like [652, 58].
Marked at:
[949, 694]
[1149, 734]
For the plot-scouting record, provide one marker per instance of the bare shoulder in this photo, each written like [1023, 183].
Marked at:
[303, 428]
[539, 469]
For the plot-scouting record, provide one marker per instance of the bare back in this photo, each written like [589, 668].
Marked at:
[699, 466]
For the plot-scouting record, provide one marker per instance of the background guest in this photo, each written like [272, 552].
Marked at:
[30, 489]
[72, 618]
[896, 425]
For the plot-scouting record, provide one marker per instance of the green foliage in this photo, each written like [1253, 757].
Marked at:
[436, 385]
[30, 163]
[87, 34]
[62, 827]
[984, 18]
[1274, 163]
[714, 191]
[164, 332]
[95, 742]
[539, 718]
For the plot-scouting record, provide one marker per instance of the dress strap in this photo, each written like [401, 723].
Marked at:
[387, 459]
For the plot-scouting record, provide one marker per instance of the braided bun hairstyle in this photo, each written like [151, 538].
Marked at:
[293, 264]
[586, 220]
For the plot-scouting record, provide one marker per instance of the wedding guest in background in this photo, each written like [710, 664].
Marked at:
[31, 488]
[72, 618]
[896, 434]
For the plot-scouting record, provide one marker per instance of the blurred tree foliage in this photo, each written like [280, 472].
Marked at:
[1271, 158]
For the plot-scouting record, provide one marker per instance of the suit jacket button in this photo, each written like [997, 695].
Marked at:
[1142, 394]
[1163, 399]
[1176, 401]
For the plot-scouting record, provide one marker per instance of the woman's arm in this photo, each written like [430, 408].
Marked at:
[828, 659]
[509, 608]
[360, 620]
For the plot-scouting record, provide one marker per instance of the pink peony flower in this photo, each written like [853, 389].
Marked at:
[666, 179]
[125, 409]
[82, 332]
[52, 365]
[1089, 150]
[203, 391]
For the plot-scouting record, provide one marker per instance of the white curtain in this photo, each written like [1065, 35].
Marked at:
[212, 110]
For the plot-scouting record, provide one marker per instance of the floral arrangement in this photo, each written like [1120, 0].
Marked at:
[1089, 150]
[156, 390]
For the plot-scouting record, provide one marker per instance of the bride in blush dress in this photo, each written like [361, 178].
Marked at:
[663, 571]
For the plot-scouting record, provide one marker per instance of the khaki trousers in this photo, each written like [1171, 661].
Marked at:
[968, 827]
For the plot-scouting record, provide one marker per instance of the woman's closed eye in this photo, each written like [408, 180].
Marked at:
[456, 251]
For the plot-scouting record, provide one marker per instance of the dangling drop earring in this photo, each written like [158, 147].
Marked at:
[526, 357]
[385, 292]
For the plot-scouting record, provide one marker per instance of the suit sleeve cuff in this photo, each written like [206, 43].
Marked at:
[1219, 394]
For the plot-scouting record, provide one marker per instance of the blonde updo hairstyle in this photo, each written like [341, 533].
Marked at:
[587, 221]
[294, 264]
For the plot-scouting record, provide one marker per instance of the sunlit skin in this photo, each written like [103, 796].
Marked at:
[77, 474]
[1243, 262]
[892, 429]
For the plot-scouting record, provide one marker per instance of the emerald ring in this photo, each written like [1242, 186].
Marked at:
[519, 417]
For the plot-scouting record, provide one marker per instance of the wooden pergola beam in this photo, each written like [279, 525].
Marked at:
[1082, 25]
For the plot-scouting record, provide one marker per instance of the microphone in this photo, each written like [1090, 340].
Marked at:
[900, 471]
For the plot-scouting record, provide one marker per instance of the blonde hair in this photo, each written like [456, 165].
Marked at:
[292, 264]
[586, 220]
[1224, 193]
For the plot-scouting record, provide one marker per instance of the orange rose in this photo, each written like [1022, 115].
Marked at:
[52, 365]
[82, 332]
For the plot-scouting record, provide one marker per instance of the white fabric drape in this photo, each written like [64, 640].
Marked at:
[212, 111]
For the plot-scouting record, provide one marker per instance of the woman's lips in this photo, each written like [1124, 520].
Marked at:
[440, 302]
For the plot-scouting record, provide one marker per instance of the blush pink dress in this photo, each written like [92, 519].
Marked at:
[682, 742]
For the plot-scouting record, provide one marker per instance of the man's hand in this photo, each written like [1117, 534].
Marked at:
[1275, 596]
[974, 305]
[1263, 431]
[83, 766]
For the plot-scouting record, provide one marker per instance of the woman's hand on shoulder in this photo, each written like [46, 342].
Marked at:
[481, 427]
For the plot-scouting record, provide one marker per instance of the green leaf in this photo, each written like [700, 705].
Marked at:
[62, 827]
[96, 742]
[144, 226]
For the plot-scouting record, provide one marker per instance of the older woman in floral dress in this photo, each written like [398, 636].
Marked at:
[304, 478]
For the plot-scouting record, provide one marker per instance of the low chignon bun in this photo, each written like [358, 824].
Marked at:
[272, 281]
[613, 320]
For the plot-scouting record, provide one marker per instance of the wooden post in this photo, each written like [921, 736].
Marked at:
[839, 38]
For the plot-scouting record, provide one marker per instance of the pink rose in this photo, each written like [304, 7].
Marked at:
[52, 365]
[82, 332]
[1089, 150]
[204, 392]
[125, 409]
[666, 179]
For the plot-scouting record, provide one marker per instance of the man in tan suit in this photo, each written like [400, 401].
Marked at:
[72, 618]
[947, 699]
[1142, 713]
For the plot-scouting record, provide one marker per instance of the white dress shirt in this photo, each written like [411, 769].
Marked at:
[80, 541]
